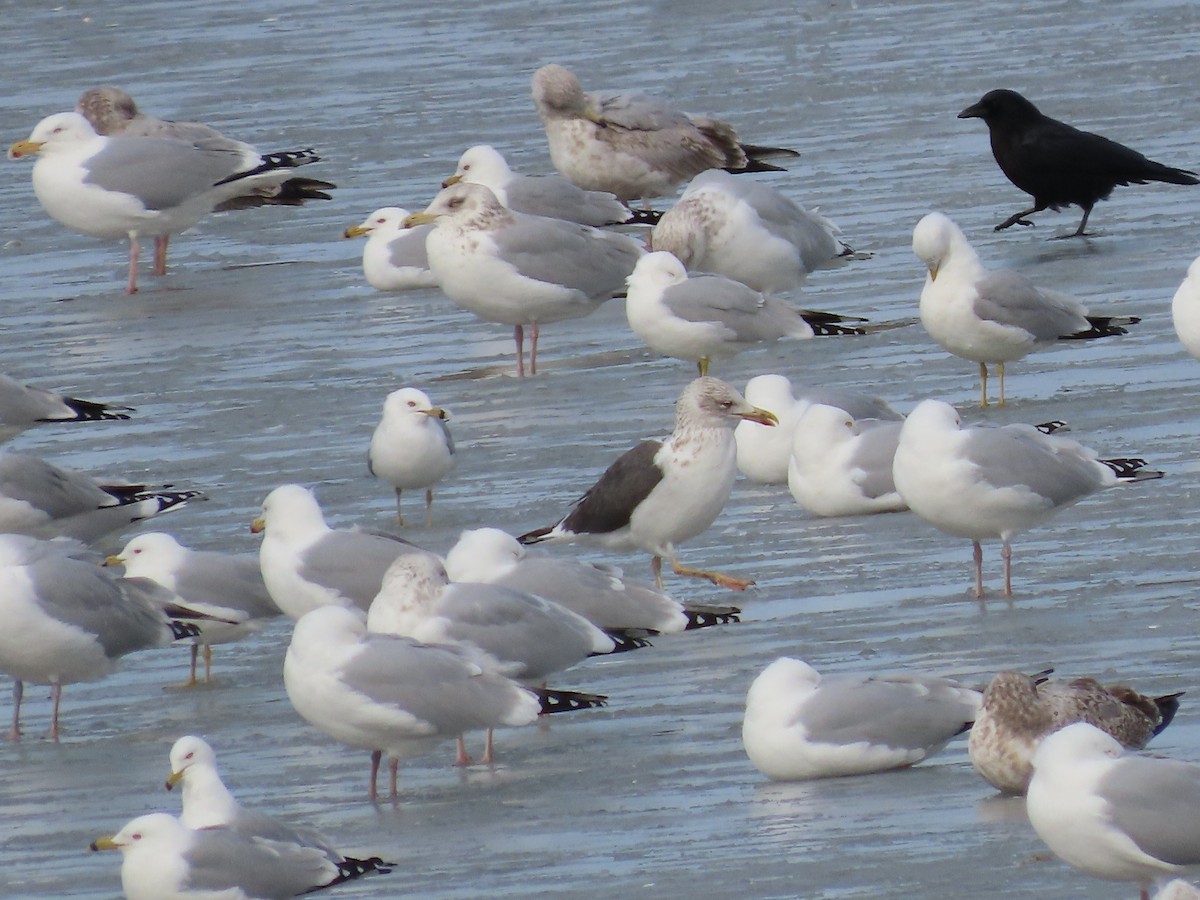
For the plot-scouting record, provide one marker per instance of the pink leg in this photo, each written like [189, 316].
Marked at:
[376, 756]
[394, 776]
[133, 263]
[656, 568]
[160, 254]
[18, 693]
[978, 555]
[1006, 552]
[56, 697]
[462, 759]
[489, 754]
[519, 337]
[533, 349]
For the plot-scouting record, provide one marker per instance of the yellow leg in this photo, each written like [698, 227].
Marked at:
[717, 578]
[1001, 367]
[983, 400]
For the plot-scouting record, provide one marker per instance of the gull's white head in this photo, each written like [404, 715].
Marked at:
[711, 403]
[783, 680]
[186, 752]
[935, 240]
[58, 130]
[414, 405]
[933, 414]
[290, 509]
[387, 220]
[657, 270]
[481, 164]
[152, 831]
[482, 554]
[468, 205]
[153, 551]
[773, 392]
[822, 426]
[1077, 743]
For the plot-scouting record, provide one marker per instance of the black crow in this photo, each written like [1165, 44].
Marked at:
[1059, 165]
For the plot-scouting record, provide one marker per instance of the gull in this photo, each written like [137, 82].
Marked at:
[112, 187]
[387, 693]
[995, 482]
[1185, 310]
[22, 406]
[1178, 889]
[1057, 164]
[110, 110]
[541, 195]
[43, 500]
[163, 859]
[64, 620]
[842, 466]
[306, 564]
[800, 724]
[1018, 712]
[747, 231]
[632, 145]
[993, 316]
[601, 594]
[660, 493]
[394, 258]
[411, 446]
[699, 317]
[208, 803]
[517, 269]
[763, 453]
[228, 586]
[1116, 817]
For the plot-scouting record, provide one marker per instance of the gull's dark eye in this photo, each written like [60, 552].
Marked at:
[136, 837]
[726, 404]
[455, 202]
[412, 403]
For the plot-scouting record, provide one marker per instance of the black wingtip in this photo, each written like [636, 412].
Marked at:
[626, 639]
[1168, 705]
[642, 217]
[1132, 469]
[708, 616]
[533, 537]
[90, 411]
[568, 701]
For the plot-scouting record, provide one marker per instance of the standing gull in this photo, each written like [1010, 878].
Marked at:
[601, 594]
[541, 195]
[699, 317]
[800, 724]
[748, 231]
[42, 500]
[227, 586]
[632, 145]
[1116, 817]
[993, 316]
[306, 564]
[112, 187]
[995, 482]
[394, 258]
[163, 859]
[1057, 164]
[411, 446]
[391, 694]
[1019, 711]
[22, 406]
[660, 493]
[110, 110]
[517, 269]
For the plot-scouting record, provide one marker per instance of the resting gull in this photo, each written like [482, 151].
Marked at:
[800, 724]
[391, 694]
[748, 231]
[411, 446]
[22, 406]
[112, 187]
[541, 195]
[601, 594]
[306, 564]
[995, 482]
[43, 500]
[699, 317]
[993, 316]
[1185, 310]
[661, 493]
[394, 258]
[163, 859]
[1019, 711]
[633, 145]
[110, 110]
[763, 453]
[517, 269]
[228, 586]
[1117, 817]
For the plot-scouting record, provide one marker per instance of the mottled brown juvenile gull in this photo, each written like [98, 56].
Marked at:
[661, 493]
[1116, 817]
[113, 187]
[635, 146]
[541, 195]
[65, 620]
[601, 594]
[208, 803]
[411, 446]
[993, 316]
[228, 586]
[306, 564]
[749, 231]
[394, 258]
[842, 466]
[800, 724]
[163, 859]
[22, 406]
[1019, 711]
[983, 482]
[517, 269]
[45, 501]
[702, 317]
[391, 694]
